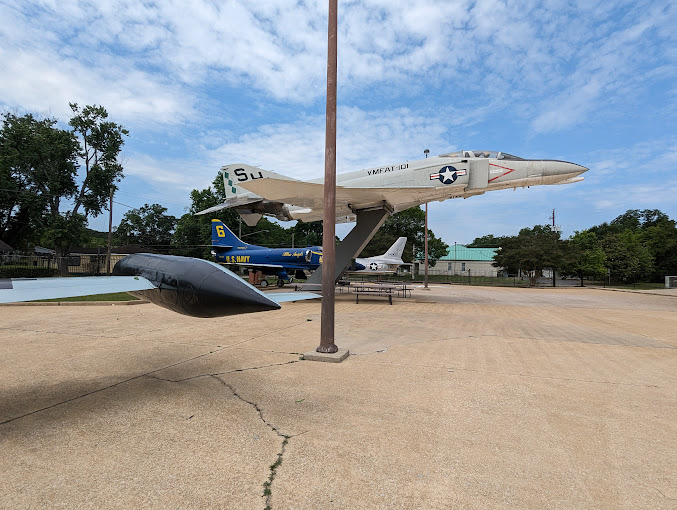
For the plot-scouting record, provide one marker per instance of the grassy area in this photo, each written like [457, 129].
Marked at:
[116, 296]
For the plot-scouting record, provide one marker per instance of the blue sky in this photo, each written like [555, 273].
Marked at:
[203, 84]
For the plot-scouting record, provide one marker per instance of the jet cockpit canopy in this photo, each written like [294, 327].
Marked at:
[480, 154]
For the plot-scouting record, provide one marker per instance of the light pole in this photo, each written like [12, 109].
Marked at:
[425, 246]
[425, 256]
[327, 344]
[110, 230]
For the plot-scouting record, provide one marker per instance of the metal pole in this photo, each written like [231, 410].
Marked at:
[110, 230]
[425, 279]
[327, 344]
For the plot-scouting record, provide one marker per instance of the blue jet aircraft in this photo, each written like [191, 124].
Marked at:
[229, 249]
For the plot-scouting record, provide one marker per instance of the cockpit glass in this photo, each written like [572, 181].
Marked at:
[480, 154]
[505, 155]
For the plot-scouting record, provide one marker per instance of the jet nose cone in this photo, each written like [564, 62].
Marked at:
[563, 168]
[224, 293]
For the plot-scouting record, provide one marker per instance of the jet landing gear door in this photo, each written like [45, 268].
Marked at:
[478, 178]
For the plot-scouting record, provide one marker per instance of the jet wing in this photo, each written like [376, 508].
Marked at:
[311, 195]
[284, 297]
[32, 289]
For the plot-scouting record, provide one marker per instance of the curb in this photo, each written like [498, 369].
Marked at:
[78, 303]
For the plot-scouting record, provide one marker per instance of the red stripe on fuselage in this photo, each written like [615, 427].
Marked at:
[505, 173]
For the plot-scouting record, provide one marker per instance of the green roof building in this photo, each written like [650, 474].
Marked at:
[461, 260]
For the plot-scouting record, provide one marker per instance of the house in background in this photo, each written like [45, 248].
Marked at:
[5, 248]
[462, 261]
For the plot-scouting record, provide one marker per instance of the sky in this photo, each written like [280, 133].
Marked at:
[203, 84]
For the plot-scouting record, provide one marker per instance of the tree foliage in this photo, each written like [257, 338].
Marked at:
[147, 226]
[38, 168]
[531, 251]
[639, 244]
[627, 259]
[54, 179]
[410, 224]
[586, 259]
[487, 241]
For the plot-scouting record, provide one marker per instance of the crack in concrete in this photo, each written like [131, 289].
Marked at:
[223, 373]
[119, 383]
[145, 374]
[267, 485]
[644, 484]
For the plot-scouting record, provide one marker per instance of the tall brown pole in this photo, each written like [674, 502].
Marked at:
[110, 230]
[425, 260]
[327, 344]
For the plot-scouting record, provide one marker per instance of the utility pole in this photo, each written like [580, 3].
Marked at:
[554, 228]
[327, 344]
[110, 229]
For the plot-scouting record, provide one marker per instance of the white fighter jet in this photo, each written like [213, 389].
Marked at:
[386, 263]
[368, 196]
[254, 191]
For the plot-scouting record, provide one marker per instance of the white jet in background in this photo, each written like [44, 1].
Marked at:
[386, 263]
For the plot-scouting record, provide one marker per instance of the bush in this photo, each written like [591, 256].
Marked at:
[27, 272]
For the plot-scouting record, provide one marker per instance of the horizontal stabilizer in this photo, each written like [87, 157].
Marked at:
[32, 289]
[230, 203]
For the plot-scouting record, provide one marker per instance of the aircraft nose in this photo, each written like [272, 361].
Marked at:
[555, 167]
[223, 293]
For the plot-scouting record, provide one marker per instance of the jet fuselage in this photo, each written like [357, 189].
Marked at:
[397, 187]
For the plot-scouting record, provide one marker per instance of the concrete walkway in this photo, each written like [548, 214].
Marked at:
[461, 397]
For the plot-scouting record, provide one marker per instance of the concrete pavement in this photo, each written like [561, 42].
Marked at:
[461, 397]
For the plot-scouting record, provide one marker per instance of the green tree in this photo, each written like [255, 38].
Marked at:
[147, 226]
[487, 241]
[410, 224]
[585, 257]
[192, 237]
[38, 168]
[42, 165]
[626, 258]
[661, 241]
[652, 229]
[531, 251]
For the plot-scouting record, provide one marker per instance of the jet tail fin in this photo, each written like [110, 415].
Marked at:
[223, 237]
[396, 250]
[240, 173]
